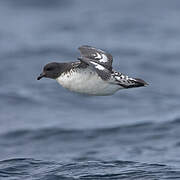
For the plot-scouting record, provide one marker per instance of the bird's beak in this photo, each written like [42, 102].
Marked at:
[41, 76]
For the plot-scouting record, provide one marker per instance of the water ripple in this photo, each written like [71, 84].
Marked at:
[28, 168]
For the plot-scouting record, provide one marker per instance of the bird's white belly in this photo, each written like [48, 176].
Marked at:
[86, 81]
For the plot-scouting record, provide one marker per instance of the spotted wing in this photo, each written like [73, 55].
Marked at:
[104, 73]
[102, 58]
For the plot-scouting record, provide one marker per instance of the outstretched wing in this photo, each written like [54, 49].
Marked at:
[104, 73]
[98, 56]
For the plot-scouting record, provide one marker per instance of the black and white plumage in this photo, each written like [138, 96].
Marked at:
[92, 74]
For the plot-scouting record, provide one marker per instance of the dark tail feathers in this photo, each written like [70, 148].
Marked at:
[138, 83]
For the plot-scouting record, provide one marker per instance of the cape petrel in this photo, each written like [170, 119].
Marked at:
[92, 74]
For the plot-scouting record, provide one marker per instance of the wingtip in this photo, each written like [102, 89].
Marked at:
[84, 46]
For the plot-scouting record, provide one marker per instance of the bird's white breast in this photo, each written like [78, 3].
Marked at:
[86, 81]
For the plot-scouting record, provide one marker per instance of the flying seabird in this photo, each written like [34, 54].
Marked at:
[92, 74]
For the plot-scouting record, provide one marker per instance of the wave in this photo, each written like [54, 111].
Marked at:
[27, 168]
[137, 128]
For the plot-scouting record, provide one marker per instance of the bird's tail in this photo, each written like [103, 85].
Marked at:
[127, 82]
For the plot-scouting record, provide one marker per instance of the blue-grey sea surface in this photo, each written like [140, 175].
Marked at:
[48, 133]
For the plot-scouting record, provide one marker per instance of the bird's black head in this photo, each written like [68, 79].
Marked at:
[52, 70]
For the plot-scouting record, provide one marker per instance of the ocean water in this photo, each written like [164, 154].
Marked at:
[49, 133]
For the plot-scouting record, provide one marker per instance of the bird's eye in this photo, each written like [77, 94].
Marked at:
[48, 69]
